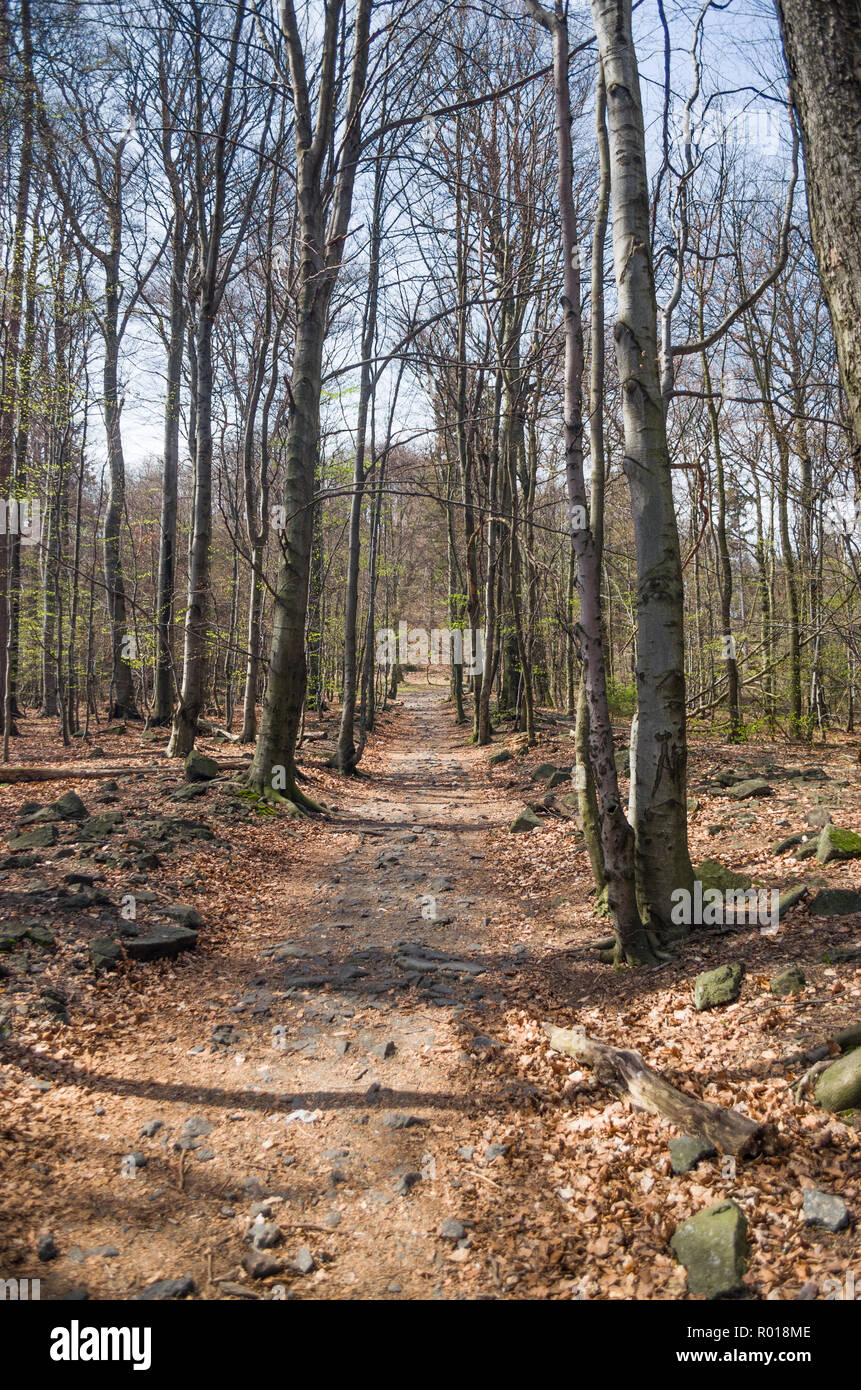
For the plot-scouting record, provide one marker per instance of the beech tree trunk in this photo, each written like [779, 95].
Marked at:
[273, 771]
[663, 861]
[822, 42]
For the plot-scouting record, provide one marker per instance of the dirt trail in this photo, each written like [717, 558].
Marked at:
[351, 1069]
[321, 1047]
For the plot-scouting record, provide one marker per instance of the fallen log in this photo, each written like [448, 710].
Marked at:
[625, 1072]
[68, 772]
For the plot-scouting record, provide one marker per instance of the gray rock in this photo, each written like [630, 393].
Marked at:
[839, 1086]
[688, 1151]
[261, 1266]
[196, 1128]
[46, 1248]
[836, 843]
[151, 1128]
[452, 1229]
[405, 1183]
[526, 821]
[836, 902]
[304, 1261]
[199, 768]
[184, 913]
[713, 1248]
[711, 874]
[162, 944]
[105, 954]
[818, 816]
[398, 1120]
[789, 981]
[821, 1209]
[754, 786]
[40, 838]
[164, 1289]
[714, 988]
[384, 1050]
[264, 1235]
[503, 756]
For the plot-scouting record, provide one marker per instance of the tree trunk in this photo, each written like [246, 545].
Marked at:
[822, 42]
[663, 861]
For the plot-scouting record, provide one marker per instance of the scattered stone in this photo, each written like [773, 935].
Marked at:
[790, 898]
[503, 756]
[190, 790]
[711, 874]
[46, 1248]
[836, 902]
[405, 1183]
[714, 988]
[304, 1261]
[527, 820]
[792, 980]
[688, 1151]
[839, 1086]
[822, 1209]
[199, 768]
[558, 779]
[163, 1289]
[396, 1119]
[40, 838]
[791, 842]
[818, 816]
[384, 1050]
[151, 1129]
[196, 1128]
[755, 786]
[542, 772]
[712, 1246]
[492, 1151]
[162, 944]
[260, 1266]
[451, 1229]
[835, 843]
[105, 954]
[264, 1235]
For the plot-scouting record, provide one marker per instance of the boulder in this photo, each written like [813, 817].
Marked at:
[105, 954]
[687, 1152]
[839, 1086]
[183, 913]
[527, 820]
[39, 838]
[711, 874]
[503, 756]
[542, 772]
[836, 902]
[713, 1248]
[835, 843]
[199, 768]
[713, 988]
[792, 980]
[754, 786]
[162, 944]
[821, 1209]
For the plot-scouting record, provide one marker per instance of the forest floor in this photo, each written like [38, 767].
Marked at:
[383, 1121]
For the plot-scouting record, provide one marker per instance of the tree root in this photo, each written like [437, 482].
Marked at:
[625, 1072]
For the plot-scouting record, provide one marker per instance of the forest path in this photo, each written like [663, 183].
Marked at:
[311, 1070]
